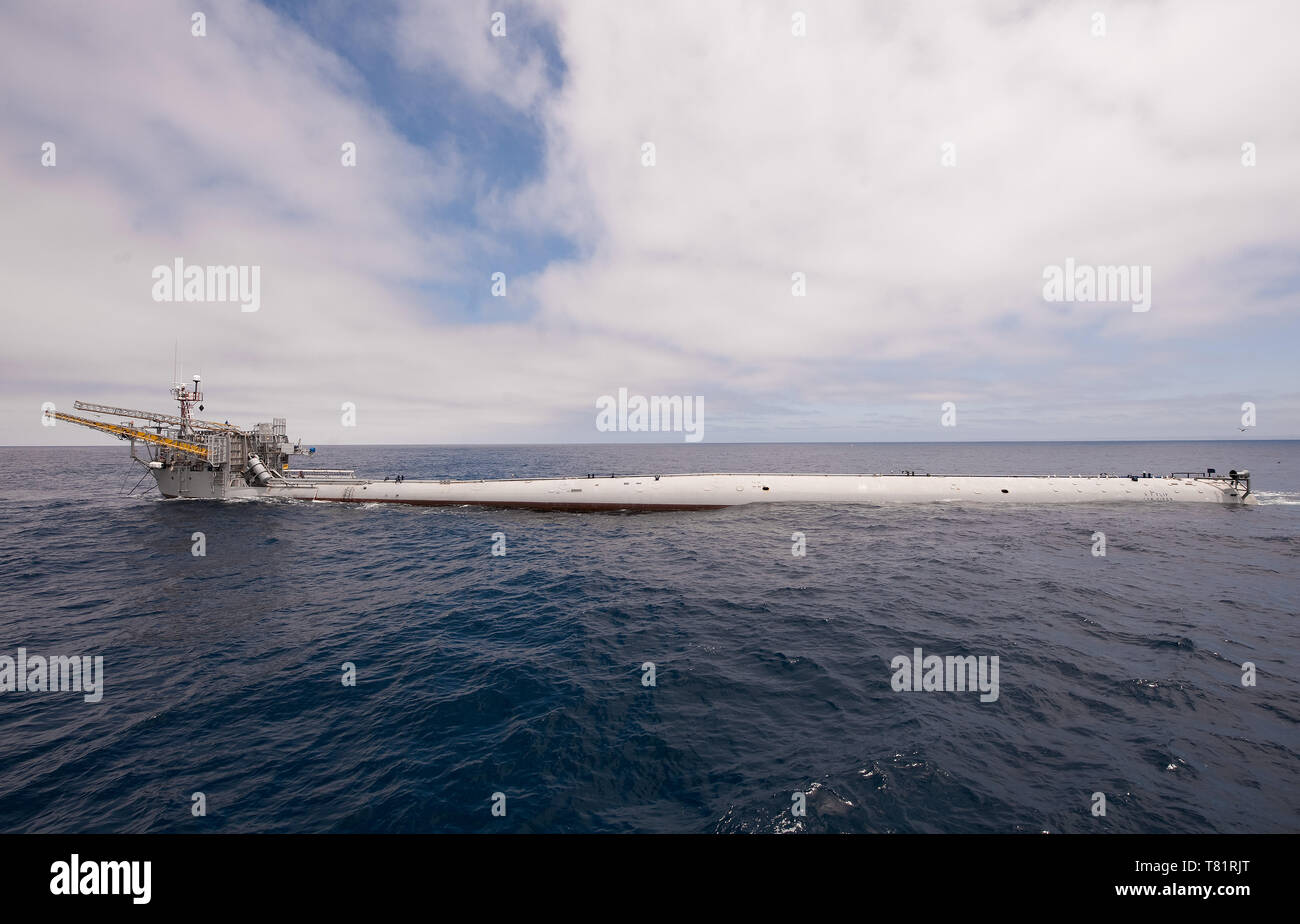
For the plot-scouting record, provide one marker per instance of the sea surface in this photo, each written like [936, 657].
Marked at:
[524, 674]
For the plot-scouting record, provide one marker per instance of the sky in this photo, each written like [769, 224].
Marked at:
[921, 165]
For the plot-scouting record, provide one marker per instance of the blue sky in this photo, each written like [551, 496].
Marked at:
[776, 152]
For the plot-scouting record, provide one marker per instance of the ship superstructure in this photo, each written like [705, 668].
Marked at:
[201, 459]
[195, 458]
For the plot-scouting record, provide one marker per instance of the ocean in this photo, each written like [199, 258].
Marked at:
[510, 692]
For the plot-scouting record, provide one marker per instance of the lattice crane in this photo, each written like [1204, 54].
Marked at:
[121, 431]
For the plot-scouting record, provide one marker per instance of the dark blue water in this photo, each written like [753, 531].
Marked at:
[522, 674]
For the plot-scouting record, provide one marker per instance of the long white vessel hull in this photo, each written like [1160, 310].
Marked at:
[206, 460]
[710, 491]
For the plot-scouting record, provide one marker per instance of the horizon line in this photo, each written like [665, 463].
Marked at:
[1282, 439]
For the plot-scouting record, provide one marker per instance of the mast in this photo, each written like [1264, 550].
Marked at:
[186, 398]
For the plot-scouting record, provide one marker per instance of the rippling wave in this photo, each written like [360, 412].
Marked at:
[523, 674]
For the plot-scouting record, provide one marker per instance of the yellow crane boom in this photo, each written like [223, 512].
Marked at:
[133, 433]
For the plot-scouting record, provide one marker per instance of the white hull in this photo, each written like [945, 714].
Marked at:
[206, 460]
[701, 492]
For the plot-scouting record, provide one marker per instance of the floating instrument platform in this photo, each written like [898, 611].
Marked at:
[198, 459]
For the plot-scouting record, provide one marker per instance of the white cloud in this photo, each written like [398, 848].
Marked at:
[775, 154]
[821, 154]
[456, 38]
